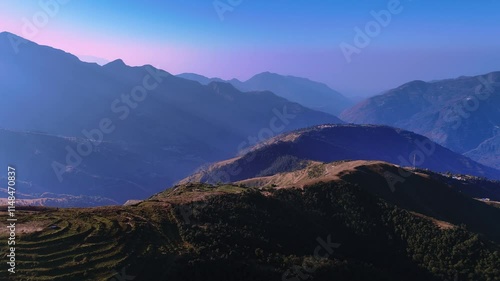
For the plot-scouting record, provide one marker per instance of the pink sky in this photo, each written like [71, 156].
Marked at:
[190, 38]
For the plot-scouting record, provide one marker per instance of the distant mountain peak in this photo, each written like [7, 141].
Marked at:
[11, 36]
[14, 40]
[6, 33]
[416, 84]
[268, 74]
[116, 63]
[315, 95]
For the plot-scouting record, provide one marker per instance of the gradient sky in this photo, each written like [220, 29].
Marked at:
[428, 40]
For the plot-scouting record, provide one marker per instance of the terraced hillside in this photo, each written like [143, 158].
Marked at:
[305, 225]
[85, 244]
[98, 243]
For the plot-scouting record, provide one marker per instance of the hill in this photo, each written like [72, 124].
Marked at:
[326, 143]
[144, 115]
[311, 94]
[488, 152]
[461, 114]
[354, 227]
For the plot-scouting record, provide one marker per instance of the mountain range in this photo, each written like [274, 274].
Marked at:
[326, 143]
[253, 180]
[149, 128]
[462, 114]
[314, 95]
[116, 132]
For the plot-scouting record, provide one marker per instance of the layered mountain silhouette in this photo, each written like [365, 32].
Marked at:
[326, 143]
[309, 93]
[154, 114]
[307, 197]
[462, 114]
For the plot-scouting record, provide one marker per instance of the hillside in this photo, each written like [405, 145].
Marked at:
[311, 94]
[149, 128]
[326, 143]
[113, 170]
[488, 152]
[354, 227]
[420, 191]
[462, 114]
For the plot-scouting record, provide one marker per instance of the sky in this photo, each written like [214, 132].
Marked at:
[358, 47]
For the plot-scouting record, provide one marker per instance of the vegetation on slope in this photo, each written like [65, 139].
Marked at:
[325, 231]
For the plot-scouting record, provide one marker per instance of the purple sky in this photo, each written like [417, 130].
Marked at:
[422, 40]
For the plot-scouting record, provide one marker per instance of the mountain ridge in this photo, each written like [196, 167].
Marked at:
[458, 113]
[86, 111]
[326, 143]
[369, 232]
[312, 94]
